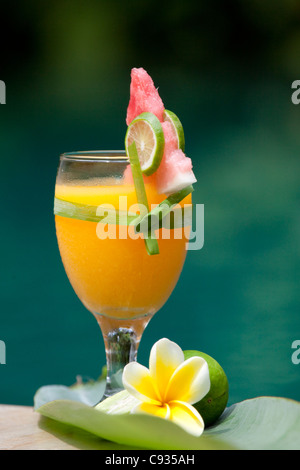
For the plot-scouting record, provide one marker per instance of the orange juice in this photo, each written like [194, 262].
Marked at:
[116, 277]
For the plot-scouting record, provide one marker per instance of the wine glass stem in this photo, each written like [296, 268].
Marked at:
[121, 339]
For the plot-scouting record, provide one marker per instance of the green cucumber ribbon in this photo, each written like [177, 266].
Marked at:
[89, 213]
[141, 195]
[179, 217]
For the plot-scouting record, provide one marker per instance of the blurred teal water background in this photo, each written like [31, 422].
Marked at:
[227, 73]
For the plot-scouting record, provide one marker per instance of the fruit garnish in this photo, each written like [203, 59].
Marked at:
[150, 239]
[143, 96]
[174, 173]
[171, 117]
[159, 146]
[147, 133]
[175, 168]
[214, 403]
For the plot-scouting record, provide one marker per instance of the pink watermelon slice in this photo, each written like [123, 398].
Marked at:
[175, 170]
[144, 96]
[174, 173]
[171, 142]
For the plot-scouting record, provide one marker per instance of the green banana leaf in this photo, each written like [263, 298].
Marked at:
[89, 393]
[263, 423]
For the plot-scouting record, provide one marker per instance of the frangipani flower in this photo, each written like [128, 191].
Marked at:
[170, 386]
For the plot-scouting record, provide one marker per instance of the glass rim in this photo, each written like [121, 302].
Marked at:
[96, 155]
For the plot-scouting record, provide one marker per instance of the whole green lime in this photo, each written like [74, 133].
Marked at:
[214, 403]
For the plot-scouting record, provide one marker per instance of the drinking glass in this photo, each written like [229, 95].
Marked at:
[109, 268]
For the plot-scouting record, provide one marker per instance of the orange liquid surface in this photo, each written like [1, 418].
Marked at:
[116, 277]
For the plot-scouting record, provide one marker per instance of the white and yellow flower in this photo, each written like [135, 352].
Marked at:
[170, 386]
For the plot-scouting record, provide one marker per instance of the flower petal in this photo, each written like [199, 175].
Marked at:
[190, 381]
[187, 417]
[165, 357]
[162, 411]
[138, 382]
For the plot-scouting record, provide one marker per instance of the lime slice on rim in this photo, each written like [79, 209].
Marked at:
[177, 126]
[147, 133]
